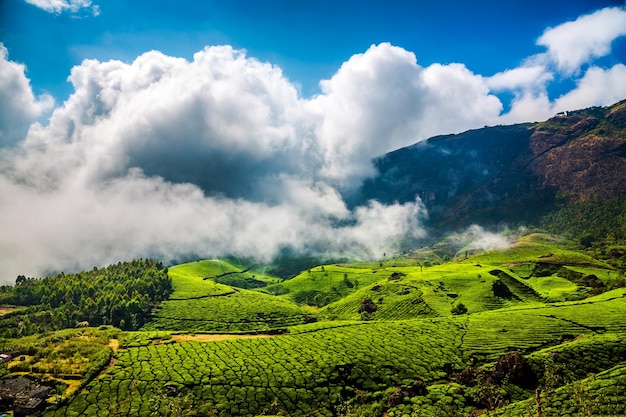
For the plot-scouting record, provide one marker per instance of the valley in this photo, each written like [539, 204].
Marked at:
[532, 329]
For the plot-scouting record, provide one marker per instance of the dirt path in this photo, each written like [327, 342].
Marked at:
[214, 337]
[8, 309]
[114, 344]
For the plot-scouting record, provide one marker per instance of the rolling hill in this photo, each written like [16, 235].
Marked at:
[541, 329]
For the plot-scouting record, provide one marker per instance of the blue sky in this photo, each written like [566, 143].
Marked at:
[308, 39]
[211, 128]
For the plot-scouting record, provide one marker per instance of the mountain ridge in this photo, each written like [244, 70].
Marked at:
[514, 174]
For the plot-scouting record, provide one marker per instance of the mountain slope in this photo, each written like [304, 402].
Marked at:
[513, 174]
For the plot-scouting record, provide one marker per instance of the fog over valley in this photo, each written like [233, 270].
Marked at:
[176, 158]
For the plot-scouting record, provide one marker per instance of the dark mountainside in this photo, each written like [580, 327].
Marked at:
[515, 175]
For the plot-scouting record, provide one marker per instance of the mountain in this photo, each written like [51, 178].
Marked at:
[518, 174]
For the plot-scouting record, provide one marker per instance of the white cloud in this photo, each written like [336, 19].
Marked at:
[382, 100]
[571, 46]
[221, 119]
[575, 43]
[476, 237]
[18, 106]
[529, 107]
[220, 155]
[60, 6]
[117, 173]
[525, 77]
[598, 87]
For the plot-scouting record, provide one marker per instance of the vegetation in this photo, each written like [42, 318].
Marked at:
[319, 369]
[595, 220]
[202, 305]
[322, 285]
[536, 328]
[533, 329]
[66, 360]
[122, 295]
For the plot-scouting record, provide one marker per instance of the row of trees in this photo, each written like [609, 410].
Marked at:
[122, 295]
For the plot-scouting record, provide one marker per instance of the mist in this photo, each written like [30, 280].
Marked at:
[174, 159]
[220, 155]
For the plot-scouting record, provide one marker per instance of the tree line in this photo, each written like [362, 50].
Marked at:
[122, 295]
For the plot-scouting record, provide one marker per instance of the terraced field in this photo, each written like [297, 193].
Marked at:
[296, 374]
[322, 285]
[409, 292]
[541, 332]
[201, 305]
[318, 370]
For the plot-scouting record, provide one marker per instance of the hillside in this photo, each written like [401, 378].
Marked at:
[497, 333]
[511, 174]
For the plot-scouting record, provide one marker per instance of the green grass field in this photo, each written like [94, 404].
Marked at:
[201, 305]
[370, 339]
[318, 368]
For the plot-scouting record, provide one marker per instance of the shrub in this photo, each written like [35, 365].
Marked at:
[459, 309]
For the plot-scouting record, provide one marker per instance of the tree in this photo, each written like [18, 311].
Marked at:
[459, 309]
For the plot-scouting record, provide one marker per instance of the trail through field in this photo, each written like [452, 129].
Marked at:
[215, 337]
[114, 344]
[8, 309]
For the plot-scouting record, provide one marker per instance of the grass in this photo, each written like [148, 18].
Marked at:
[321, 285]
[201, 305]
[224, 272]
[539, 247]
[368, 339]
[294, 374]
[319, 365]
[409, 292]
[203, 268]
[525, 328]
[241, 311]
[553, 288]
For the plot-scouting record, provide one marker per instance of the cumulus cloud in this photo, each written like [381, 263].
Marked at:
[173, 158]
[572, 48]
[382, 99]
[218, 155]
[61, 6]
[598, 87]
[18, 106]
[222, 121]
[575, 43]
[520, 78]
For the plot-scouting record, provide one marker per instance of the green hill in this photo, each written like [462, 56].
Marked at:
[200, 304]
[535, 328]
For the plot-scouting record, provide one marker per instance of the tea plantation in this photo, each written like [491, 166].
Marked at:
[537, 329]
